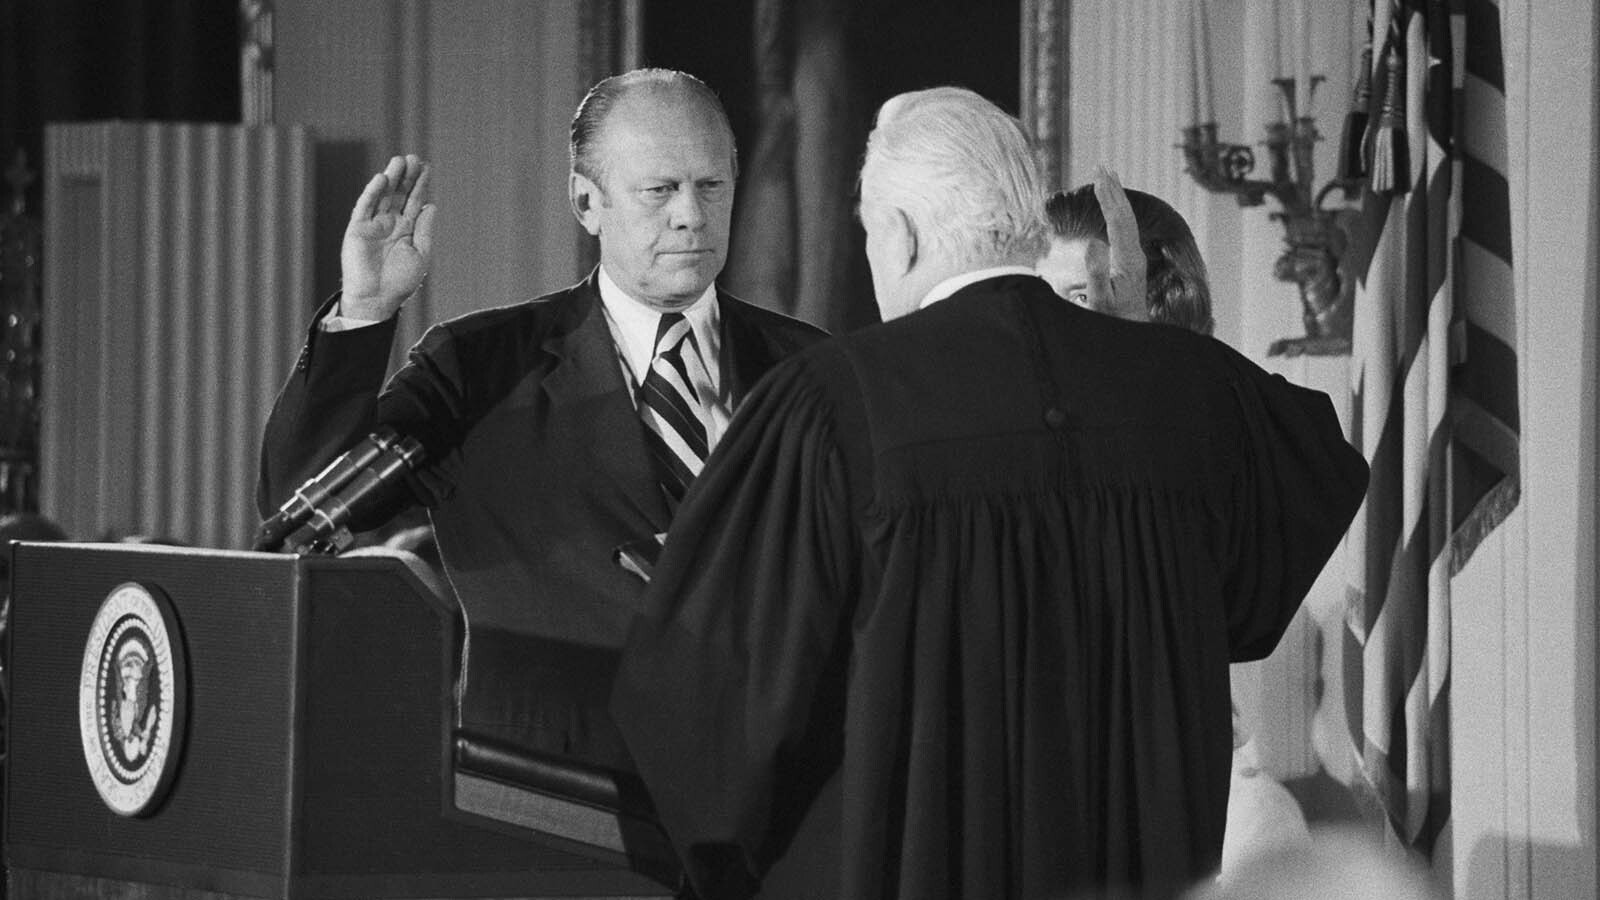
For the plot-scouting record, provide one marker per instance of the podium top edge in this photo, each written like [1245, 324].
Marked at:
[149, 549]
[428, 582]
[134, 547]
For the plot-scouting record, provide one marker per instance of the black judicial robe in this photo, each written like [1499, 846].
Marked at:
[950, 611]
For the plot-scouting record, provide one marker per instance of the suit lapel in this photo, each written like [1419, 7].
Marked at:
[589, 395]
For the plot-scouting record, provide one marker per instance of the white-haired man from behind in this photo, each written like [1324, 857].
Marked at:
[945, 199]
[949, 612]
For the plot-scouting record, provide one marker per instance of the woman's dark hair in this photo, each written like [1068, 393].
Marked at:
[1177, 289]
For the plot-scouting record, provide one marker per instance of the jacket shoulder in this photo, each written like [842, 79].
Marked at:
[521, 326]
[776, 324]
[552, 308]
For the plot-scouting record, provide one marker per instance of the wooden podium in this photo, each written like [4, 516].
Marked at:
[314, 754]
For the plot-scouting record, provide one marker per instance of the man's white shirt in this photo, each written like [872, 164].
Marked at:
[956, 282]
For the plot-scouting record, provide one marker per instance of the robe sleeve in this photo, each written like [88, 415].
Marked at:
[729, 673]
[1298, 487]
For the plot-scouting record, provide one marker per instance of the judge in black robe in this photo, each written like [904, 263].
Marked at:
[950, 611]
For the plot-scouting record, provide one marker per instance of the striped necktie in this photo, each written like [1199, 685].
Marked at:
[674, 418]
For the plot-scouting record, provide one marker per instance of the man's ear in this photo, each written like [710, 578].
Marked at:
[903, 234]
[585, 197]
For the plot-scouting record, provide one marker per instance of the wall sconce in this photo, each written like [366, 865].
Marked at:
[1316, 238]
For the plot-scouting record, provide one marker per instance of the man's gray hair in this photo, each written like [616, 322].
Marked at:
[962, 171]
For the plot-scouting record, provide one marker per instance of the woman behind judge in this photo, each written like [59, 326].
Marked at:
[1095, 228]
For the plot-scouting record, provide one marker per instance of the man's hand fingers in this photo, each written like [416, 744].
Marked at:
[367, 204]
[422, 237]
[417, 191]
[410, 169]
[393, 173]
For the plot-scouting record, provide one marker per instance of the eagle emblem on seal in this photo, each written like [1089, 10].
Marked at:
[131, 699]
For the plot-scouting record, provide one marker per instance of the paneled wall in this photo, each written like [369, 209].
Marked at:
[168, 252]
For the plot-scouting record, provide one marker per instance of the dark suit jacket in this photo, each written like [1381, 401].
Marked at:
[537, 471]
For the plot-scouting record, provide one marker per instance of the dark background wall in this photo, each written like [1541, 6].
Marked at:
[76, 60]
[801, 81]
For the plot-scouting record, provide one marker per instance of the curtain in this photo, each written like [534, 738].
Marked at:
[169, 249]
[796, 245]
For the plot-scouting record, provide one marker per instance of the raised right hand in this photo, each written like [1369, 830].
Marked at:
[1128, 266]
[388, 243]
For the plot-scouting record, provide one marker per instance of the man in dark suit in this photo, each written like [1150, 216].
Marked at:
[950, 612]
[539, 465]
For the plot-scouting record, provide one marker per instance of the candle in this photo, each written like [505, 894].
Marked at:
[1302, 61]
[1277, 42]
[1203, 51]
[1196, 110]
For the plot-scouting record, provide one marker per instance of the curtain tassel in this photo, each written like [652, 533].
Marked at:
[1391, 157]
[1352, 155]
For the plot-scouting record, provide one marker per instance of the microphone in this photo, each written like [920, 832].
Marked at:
[326, 528]
[294, 511]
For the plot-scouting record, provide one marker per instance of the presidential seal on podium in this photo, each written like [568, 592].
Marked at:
[131, 699]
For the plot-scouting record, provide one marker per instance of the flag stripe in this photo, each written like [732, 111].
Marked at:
[1382, 517]
[1486, 201]
[1485, 291]
[1484, 436]
[1483, 51]
[1366, 235]
[1485, 107]
[1490, 381]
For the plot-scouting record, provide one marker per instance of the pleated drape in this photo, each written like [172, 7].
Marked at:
[177, 260]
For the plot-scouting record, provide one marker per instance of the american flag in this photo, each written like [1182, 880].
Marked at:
[1434, 378]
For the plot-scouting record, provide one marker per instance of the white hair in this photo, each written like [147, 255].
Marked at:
[963, 173]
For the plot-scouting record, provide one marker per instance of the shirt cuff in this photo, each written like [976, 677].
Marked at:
[333, 321]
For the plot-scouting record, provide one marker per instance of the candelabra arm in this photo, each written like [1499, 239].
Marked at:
[1316, 238]
[1223, 168]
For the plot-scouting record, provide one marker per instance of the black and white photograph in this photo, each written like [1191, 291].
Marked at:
[799, 449]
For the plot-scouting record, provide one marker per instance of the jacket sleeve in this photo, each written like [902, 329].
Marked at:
[328, 403]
